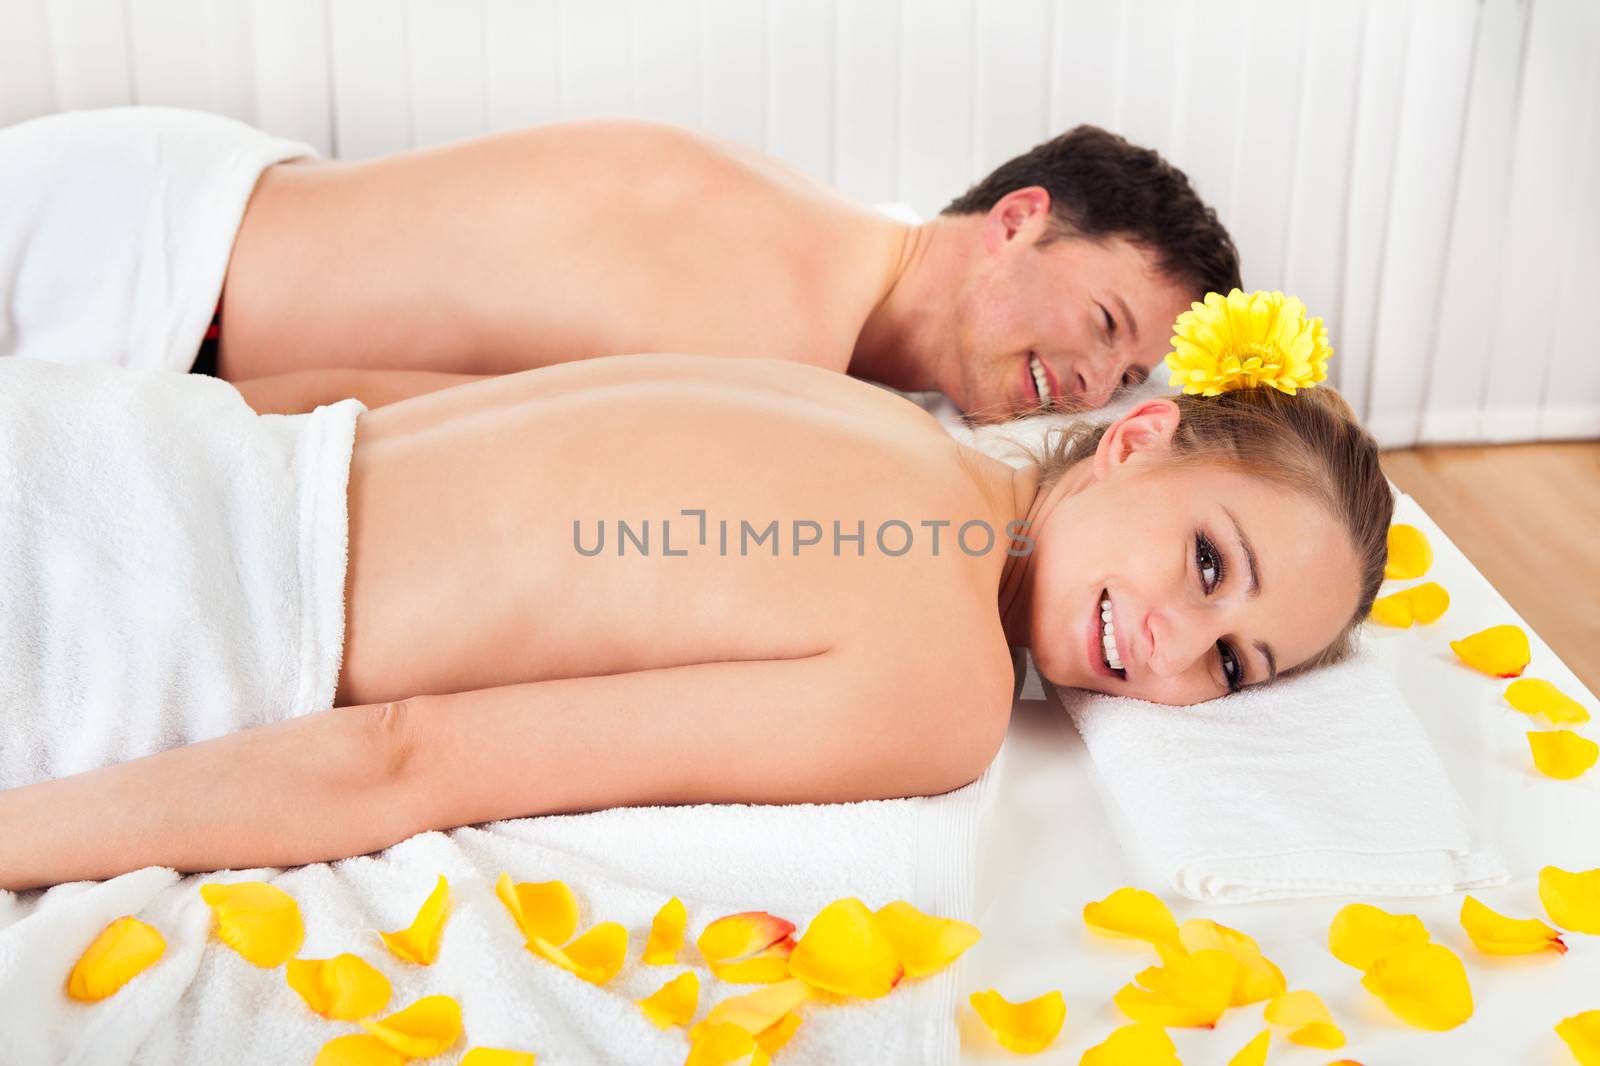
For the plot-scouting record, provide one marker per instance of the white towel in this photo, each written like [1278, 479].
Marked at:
[116, 227]
[171, 564]
[1320, 785]
[202, 1002]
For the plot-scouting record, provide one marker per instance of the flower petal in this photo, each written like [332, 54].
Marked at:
[763, 968]
[358, 1049]
[1258, 978]
[1189, 990]
[1143, 1044]
[1253, 1053]
[723, 1045]
[756, 1012]
[258, 920]
[1582, 1035]
[1536, 696]
[1429, 601]
[779, 1033]
[1410, 554]
[1308, 1018]
[493, 1056]
[1132, 912]
[345, 987]
[1395, 610]
[1571, 899]
[596, 956]
[1498, 935]
[674, 1003]
[666, 934]
[844, 951]
[1362, 933]
[1425, 984]
[425, 1028]
[1026, 1028]
[1561, 753]
[924, 944]
[419, 942]
[1499, 651]
[545, 909]
[123, 950]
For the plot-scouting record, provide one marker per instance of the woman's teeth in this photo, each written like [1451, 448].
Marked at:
[1108, 636]
[1040, 382]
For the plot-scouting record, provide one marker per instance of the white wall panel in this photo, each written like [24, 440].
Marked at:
[866, 106]
[292, 67]
[88, 52]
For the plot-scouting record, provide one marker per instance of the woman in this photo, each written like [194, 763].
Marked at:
[500, 658]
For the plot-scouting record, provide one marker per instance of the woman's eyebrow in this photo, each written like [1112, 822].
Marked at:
[1272, 660]
[1249, 553]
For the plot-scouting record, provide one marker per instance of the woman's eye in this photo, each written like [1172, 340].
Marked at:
[1209, 562]
[1230, 665]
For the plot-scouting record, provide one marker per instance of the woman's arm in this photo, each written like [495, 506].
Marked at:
[303, 390]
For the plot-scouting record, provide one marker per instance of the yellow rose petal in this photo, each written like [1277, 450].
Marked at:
[723, 1045]
[778, 1034]
[1258, 978]
[1536, 696]
[123, 950]
[425, 1028]
[493, 1056]
[596, 956]
[1140, 1044]
[258, 920]
[1499, 651]
[752, 947]
[1132, 912]
[1253, 1053]
[1410, 554]
[1190, 990]
[1307, 1017]
[756, 1012]
[1498, 935]
[546, 909]
[1394, 610]
[419, 942]
[674, 1003]
[844, 951]
[345, 987]
[1429, 601]
[666, 934]
[1026, 1028]
[1362, 933]
[1582, 1035]
[1425, 984]
[1561, 753]
[1571, 899]
[358, 1049]
[925, 944]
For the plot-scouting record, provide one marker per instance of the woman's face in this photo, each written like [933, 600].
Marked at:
[1212, 579]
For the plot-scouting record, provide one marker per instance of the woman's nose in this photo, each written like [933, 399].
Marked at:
[1179, 637]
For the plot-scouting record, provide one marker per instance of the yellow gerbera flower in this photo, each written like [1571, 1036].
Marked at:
[1244, 340]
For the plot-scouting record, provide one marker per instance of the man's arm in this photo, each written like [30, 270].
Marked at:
[303, 390]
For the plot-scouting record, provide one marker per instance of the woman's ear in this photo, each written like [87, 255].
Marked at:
[1144, 431]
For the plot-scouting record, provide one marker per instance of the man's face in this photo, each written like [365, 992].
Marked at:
[1081, 318]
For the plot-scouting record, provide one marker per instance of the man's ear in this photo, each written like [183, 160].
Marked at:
[1020, 213]
[1144, 431]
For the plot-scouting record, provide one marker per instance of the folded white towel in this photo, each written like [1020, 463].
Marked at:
[171, 564]
[116, 229]
[1320, 785]
[202, 1002]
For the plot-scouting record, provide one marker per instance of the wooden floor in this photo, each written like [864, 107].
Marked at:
[1528, 516]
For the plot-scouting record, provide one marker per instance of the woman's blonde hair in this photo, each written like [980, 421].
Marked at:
[1310, 443]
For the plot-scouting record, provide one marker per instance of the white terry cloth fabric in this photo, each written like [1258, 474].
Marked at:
[202, 1002]
[1320, 785]
[171, 564]
[116, 227]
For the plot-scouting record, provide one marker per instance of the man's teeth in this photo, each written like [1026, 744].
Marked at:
[1040, 382]
[1108, 636]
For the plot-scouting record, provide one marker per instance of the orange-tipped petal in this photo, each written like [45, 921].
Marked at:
[425, 1028]
[258, 920]
[1582, 1035]
[844, 951]
[344, 988]
[596, 956]
[1571, 899]
[723, 1045]
[1132, 912]
[674, 1003]
[123, 950]
[756, 1012]
[1499, 651]
[358, 1049]
[1140, 1044]
[493, 1056]
[419, 942]
[1429, 601]
[1498, 935]
[1394, 610]
[779, 1033]
[1536, 696]
[1026, 1028]
[546, 909]
[763, 968]
[1561, 753]
[1258, 978]
[1307, 1017]
[925, 944]
[1253, 1053]
[1189, 990]
[1410, 554]
[741, 936]
[1425, 984]
[1362, 933]
[666, 934]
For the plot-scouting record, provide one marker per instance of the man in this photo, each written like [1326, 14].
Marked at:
[1050, 283]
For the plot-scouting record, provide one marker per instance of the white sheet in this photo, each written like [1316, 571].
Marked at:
[1051, 843]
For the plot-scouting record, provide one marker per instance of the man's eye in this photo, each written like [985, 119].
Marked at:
[1109, 323]
[1230, 665]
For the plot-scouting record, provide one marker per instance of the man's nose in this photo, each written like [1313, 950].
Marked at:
[1098, 379]
[1179, 636]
